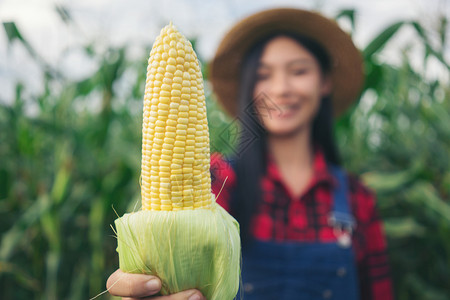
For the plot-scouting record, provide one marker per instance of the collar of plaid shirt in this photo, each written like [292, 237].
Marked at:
[321, 173]
[282, 217]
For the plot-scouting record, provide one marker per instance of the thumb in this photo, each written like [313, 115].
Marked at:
[184, 295]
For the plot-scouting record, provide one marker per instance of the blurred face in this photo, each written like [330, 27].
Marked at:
[289, 87]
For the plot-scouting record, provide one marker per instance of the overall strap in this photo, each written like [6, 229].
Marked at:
[340, 216]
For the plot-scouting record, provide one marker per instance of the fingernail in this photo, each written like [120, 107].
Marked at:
[153, 285]
[194, 297]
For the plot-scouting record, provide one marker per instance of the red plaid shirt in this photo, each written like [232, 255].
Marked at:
[283, 217]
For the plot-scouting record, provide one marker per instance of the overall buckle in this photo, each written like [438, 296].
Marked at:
[343, 226]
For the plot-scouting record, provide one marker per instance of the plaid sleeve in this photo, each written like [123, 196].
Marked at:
[371, 247]
[223, 180]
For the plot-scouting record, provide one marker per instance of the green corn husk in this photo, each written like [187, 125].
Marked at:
[186, 249]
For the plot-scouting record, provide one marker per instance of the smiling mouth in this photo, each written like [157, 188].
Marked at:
[287, 110]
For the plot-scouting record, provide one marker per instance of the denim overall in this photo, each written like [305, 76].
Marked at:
[276, 271]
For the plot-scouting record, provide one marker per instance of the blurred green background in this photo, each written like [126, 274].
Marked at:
[67, 170]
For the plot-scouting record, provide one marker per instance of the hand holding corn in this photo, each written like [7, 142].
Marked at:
[181, 234]
[139, 286]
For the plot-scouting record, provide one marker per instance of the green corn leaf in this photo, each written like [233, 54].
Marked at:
[423, 289]
[424, 193]
[16, 233]
[429, 50]
[390, 182]
[63, 14]
[12, 32]
[403, 227]
[378, 42]
[349, 14]
[20, 275]
[443, 30]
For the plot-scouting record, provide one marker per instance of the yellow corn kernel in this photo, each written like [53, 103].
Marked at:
[174, 131]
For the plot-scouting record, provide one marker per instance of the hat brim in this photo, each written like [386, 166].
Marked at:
[346, 61]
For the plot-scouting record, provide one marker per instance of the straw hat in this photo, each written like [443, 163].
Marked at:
[346, 62]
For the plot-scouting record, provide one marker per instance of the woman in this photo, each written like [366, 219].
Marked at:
[309, 230]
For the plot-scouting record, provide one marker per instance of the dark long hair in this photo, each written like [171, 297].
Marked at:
[250, 163]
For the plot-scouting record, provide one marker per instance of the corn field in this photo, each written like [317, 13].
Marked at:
[70, 165]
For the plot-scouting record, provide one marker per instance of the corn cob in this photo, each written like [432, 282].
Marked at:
[175, 136]
[181, 234]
